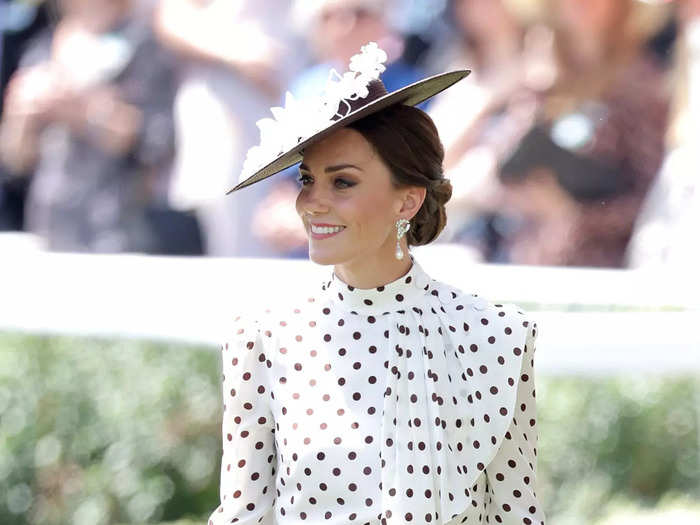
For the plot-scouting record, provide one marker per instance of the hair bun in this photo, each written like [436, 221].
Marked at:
[432, 217]
[442, 190]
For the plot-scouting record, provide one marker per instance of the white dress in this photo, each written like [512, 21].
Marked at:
[409, 403]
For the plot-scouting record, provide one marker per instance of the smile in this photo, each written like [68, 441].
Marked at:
[323, 231]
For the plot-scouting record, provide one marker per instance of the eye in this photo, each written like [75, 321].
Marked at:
[303, 179]
[342, 183]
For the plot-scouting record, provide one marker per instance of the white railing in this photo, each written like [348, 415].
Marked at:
[190, 299]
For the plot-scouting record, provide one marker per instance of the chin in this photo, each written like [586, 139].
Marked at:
[327, 253]
[325, 257]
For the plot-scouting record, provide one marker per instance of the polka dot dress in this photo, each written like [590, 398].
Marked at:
[412, 402]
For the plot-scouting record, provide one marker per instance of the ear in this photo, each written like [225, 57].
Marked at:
[413, 198]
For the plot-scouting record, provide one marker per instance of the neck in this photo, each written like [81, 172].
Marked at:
[377, 270]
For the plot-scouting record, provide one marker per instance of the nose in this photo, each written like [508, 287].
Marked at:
[312, 201]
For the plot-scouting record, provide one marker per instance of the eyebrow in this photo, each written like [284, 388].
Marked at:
[331, 169]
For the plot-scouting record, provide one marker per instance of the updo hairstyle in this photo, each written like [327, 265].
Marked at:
[407, 141]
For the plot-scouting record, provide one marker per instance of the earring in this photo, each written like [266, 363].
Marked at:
[402, 226]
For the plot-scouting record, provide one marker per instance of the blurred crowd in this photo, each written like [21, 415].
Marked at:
[575, 141]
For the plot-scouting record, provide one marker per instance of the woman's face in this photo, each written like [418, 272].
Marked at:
[590, 17]
[347, 202]
[341, 29]
[482, 18]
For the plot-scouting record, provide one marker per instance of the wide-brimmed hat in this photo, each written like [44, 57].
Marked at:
[346, 98]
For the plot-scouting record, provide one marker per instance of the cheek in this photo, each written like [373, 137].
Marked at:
[302, 202]
[371, 216]
[297, 204]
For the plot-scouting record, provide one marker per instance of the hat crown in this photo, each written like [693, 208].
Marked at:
[376, 89]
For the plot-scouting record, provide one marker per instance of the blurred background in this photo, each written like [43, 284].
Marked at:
[574, 153]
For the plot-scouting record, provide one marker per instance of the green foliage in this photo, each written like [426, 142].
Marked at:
[99, 431]
[96, 431]
[622, 439]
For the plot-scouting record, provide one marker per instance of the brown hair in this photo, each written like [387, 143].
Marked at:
[407, 141]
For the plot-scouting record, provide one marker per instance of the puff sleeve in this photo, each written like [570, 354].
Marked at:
[511, 475]
[248, 460]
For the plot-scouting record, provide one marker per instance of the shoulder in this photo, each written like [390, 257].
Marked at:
[482, 312]
[240, 328]
[288, 315]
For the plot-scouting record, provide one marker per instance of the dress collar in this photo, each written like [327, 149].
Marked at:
[392, 296]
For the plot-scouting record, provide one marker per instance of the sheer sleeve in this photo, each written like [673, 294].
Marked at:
[511, 475]
[248, 460]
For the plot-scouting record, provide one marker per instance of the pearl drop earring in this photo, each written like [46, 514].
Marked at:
[402, 226]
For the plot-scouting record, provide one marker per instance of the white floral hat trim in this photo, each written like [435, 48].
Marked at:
[301, 119]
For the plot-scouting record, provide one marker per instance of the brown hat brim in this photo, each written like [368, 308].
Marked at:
[410, 95]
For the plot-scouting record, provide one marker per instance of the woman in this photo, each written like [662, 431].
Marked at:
[580, 176]
[495, 36]
[88, 115]
[233, 64]
[384, 396]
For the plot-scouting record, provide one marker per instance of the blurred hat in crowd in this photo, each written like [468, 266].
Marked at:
[525, 10]
[306, 13]
[345, 99]
[647, 17]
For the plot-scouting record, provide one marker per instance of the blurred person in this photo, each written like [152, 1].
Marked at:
[667, 228]
[334, 30]
[381, 395]
[20, 21]
[235, 57]
[90, 110]
[577, 179]
[486, 114]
